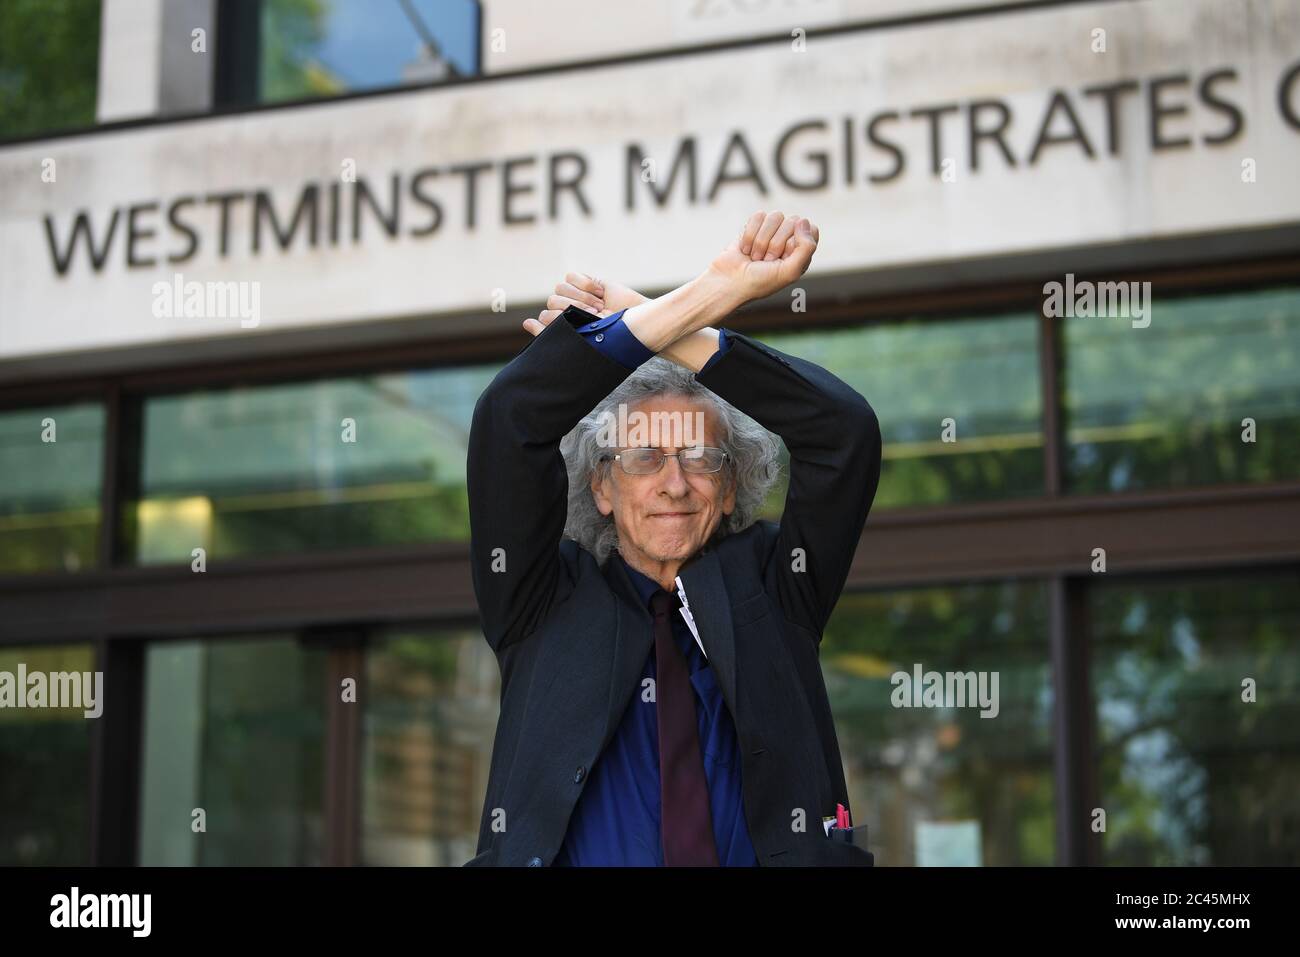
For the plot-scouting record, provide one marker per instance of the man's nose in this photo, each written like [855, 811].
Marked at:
[672, 478]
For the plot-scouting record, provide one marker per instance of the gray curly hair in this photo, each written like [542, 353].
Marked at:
[753, 463]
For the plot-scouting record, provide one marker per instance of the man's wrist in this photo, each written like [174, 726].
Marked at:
[697, 304]
[720, 294]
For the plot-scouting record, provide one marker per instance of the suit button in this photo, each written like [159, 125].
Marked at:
[579, 775]
[534, 862]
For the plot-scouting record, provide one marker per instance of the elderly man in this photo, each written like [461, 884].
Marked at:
[662, 701]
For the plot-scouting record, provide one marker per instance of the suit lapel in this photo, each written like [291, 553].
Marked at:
[634, 639]
[706, 592]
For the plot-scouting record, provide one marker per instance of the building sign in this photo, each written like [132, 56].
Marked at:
[996, 135]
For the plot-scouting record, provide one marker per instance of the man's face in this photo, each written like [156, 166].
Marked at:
[668, 515]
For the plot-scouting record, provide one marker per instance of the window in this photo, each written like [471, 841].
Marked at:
[276, 50]
[982, 374]
[432, 700]
[371, 460]
[235, 729]
[943, 785]
[1164, 405]
[1192, 773]
[51, 459]
[49, 65]
[45, 766]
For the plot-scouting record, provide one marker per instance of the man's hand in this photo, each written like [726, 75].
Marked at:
[616, 295]
[599, 297]
[772, 251]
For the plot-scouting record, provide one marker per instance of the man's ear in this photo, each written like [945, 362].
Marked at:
[729, 497]
[603, 503]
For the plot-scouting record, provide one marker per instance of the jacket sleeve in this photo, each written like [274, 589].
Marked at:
[833, 437]
[517, 483]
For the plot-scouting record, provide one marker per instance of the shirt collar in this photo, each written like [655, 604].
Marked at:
[645, 585]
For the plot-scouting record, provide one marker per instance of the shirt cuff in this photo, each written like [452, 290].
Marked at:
[612, 337]
[724, 343]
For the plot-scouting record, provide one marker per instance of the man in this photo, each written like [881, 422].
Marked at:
[662, 700]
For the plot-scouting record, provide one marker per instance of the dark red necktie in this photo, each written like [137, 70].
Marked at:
[683, 789]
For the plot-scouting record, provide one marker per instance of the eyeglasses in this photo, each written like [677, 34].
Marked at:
[699, 458]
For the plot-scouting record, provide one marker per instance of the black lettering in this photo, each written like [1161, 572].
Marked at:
[264, 211]
[573, 183]
[361, 194]
[334, 213]
[1285, 101]
[510, 189]
[933, 114]
[470, 171]
[736, 143]
[900, 161]
[1235, 120]
[635, 160]
[181, 227]
[978, 133]
[224, 199]
[80, 226]
[1062, 102]
[419, 196]
[1158, 111]
[1110, 94]
[134, 234]
[820, 161]
[848, 151]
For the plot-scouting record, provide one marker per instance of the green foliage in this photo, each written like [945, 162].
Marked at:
[291, 31]
[49, 65]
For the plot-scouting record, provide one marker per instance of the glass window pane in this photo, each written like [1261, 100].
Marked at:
[1191, 772]
[1163, 405]
[373, 460]
[980, 373]
[236, 728]
[44, 763]
[327, 47]
[49, 65]
[946, 785]
[432, 700]
[51, 460]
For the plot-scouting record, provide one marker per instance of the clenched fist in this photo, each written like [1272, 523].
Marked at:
[772, 251]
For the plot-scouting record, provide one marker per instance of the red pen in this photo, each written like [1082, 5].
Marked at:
[841, 816]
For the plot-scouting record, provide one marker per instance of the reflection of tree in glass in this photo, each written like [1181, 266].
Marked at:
[49, 65]
[1163, 406]
[291, 32]
[906, 767]
[1189, 773]
[980, 372]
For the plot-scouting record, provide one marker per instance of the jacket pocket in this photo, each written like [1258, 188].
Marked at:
[487, 859]
[749, 610]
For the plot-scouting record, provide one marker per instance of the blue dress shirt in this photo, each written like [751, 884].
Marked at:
[617, 818]
[616, 821]
[612, 337]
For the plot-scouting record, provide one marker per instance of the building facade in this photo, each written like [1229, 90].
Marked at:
[258, 258]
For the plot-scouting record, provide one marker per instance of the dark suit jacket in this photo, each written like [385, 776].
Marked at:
[571, 636]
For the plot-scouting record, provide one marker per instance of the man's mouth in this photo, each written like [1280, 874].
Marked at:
[671, 514]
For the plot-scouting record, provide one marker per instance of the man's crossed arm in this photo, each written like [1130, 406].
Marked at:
[772, 251]
[516, 478]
